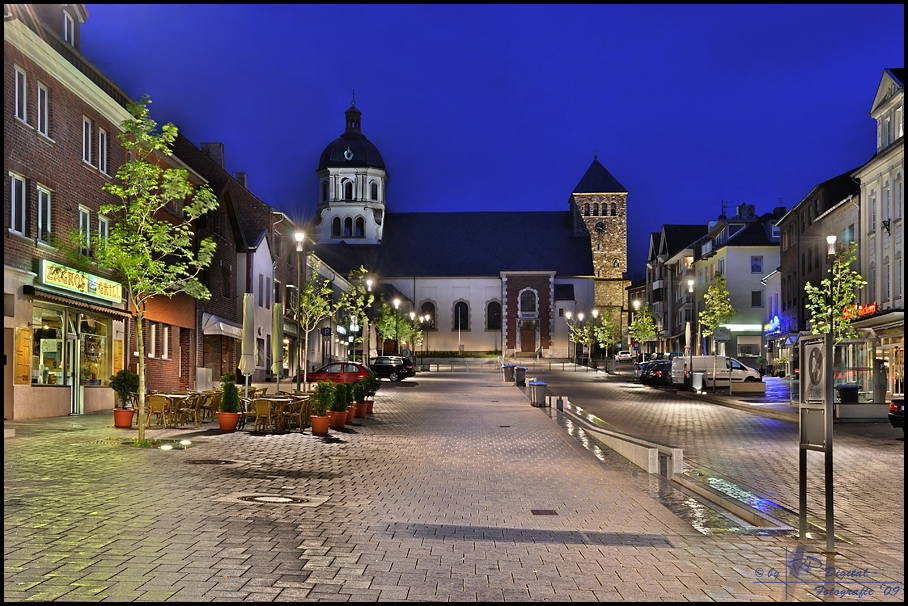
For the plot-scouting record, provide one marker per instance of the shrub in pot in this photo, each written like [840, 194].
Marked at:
[339, 403]
[320, 400]
[229, 414]
[125, 385]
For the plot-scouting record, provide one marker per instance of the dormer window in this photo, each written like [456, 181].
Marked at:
[69, 29]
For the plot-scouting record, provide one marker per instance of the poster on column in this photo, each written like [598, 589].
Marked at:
[814, 372]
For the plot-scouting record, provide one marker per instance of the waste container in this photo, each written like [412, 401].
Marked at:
[520, 376]
[537, 393]
[696, 380]
[847, 393]
[508, 370]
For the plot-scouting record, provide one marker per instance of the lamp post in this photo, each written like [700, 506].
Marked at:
[567, 321]
[425, 321]
[580, 324]
[396, 327]
[300, 239]
[690, 345]
[830, 257]
[412, 343]
[636, 310]
[369, 282]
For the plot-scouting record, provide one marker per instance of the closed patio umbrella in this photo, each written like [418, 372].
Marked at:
[277, 343]
[247, 351]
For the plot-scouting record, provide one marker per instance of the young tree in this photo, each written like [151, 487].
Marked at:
[718, 308]
[357, 301]
[606, 333]
[828, 302]
[313, 305]
[643, 327]
[153, 256]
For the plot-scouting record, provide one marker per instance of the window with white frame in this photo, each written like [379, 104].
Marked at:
[103, 228]
[756, 298]
[86, 139]
[152, 338]
[165, 341]
[102, 150]
[84, 231]
[69, 29]
[43, 105]
[17, 204]
[756, 265]
[872, 204]
[43, 214]
[899, 200]
[21, 107]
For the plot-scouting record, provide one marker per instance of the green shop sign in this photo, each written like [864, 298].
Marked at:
[79, 281]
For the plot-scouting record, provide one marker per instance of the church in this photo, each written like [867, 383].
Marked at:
[488, 281]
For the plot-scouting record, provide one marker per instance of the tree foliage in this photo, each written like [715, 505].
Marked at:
[606, 332]
[827, 302]
[153, 253]
[718, 308]
[391, 324]
[643, 327]
[314, 304]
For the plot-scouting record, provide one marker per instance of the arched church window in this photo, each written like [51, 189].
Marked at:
[613, 210]
[595, 209]
[586, 209]
[461, 316]
[360, 231]
[324, 191]
[374, 190]
[493, 315]
[527, 303]
[348, 227]
[428, 309]
[348, 190]
[336, 228]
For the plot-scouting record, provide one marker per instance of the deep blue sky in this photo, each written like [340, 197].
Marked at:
[502, 107]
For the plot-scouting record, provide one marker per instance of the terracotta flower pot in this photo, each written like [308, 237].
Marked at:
[228, 420]
[369, 404]
[337, 418]
[350, 413]
[359, 410]
[123, 417]
[320, 425]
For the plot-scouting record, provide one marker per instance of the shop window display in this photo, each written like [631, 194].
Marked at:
[93, 367]
[47, 347]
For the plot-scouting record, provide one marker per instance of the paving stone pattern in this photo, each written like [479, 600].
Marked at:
[429, 499]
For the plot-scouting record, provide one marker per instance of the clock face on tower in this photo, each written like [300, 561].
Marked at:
[600, 228]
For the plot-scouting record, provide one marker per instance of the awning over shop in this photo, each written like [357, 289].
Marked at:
[214, 325]
[52, 296]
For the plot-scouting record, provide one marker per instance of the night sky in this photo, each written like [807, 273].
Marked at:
[503, 107]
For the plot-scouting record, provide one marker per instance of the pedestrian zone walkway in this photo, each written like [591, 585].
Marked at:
[455, 489]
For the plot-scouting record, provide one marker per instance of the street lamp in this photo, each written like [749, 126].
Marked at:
[830, 255]
[300, 238]
[690, 345]
[425, 320]
[567, 321]
[369, 283]
[636, 310]
[396, 326]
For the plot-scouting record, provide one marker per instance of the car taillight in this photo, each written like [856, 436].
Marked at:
[893, 407]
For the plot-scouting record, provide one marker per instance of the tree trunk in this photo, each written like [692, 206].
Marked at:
[140, 345]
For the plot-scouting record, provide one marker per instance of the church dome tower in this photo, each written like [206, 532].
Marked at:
[352, 185]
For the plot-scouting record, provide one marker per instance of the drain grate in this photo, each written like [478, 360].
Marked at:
[210, 462]
[544, 512]
[272, 498]
[263, 498]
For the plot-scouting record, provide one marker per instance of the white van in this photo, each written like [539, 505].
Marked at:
[725, 367]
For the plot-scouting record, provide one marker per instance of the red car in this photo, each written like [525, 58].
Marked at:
[339, 372]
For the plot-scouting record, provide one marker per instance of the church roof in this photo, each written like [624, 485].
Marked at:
[351, 149]
[469, 245]
[597, 180]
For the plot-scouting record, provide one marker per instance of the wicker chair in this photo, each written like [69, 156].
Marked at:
[191, 408]
[160, 406]
[265, 416]
[246, 412]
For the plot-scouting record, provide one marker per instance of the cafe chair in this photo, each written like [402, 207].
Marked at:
[159, 406]
[265, 416]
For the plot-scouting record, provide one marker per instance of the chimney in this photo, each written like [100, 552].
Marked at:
[241, 178]
[215, 151]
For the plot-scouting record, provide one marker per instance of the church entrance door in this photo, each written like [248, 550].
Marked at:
[528, 336]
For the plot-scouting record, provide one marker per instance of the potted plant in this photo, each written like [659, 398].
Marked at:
[371, 385]
[359, 399]
[338, 410]
[321, 401]
[229, 414]
[125, 384]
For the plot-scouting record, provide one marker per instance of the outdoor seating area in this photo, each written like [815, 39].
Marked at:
[260, 412]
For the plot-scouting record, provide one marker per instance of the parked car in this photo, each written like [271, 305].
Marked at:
[339, 372]
[724, 368]
[658, 372]
[394, 368]
[639, 368]
[624, 356]
[897, 413]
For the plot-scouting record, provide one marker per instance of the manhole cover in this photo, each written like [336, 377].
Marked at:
[297, 500]
[270, 498]
[544, 512]
[210, 462]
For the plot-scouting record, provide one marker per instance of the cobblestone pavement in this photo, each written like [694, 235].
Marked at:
[455, 489]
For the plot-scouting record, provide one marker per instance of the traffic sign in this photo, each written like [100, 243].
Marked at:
[721, 334]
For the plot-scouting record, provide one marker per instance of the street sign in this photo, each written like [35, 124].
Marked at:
[326, 331]
[721, 334]
[636, 347]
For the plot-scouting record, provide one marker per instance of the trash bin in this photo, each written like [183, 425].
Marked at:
[847, 393]
[696, 380]
[537, 393]
[520, 376]
[508, 370]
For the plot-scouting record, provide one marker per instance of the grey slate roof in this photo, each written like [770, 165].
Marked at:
[468, 244]
[597, 180]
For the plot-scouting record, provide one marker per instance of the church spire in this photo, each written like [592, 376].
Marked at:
[354, 119]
